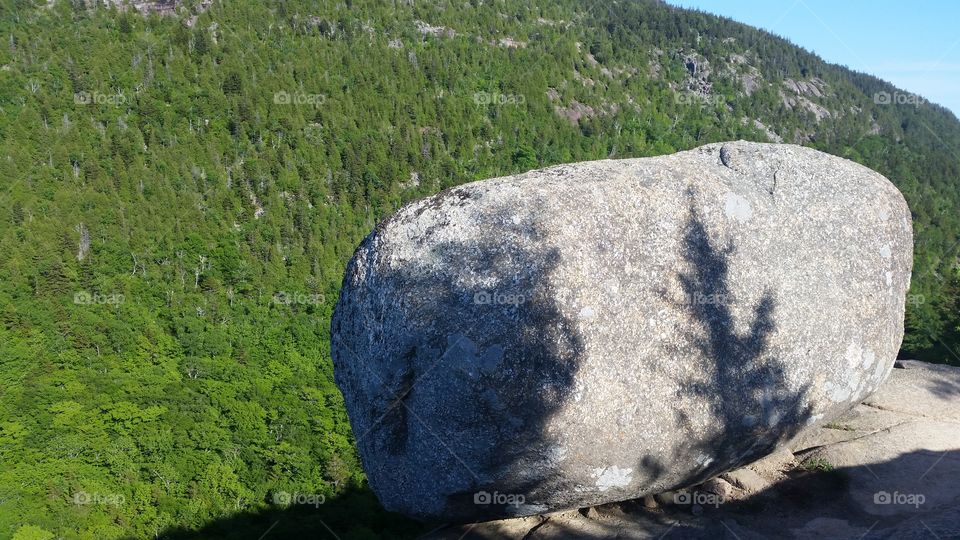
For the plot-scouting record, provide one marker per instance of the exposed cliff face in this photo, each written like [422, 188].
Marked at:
[148, 7]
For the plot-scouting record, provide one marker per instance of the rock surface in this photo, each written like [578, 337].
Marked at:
[601, 331]
[885, 470]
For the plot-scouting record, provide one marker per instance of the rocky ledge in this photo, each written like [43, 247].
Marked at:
[887, 469]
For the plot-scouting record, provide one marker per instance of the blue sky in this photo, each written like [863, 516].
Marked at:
[915, 45]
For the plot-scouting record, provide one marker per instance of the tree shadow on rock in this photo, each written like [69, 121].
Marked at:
[945, 388]
[944, 385]
[744, 384]
[912, 495]
[474, 360]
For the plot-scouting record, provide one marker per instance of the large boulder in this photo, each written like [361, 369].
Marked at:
[600, 331]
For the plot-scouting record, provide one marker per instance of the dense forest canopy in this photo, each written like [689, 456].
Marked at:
[182, 187]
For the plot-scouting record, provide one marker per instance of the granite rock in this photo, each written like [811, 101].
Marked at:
[601, 331]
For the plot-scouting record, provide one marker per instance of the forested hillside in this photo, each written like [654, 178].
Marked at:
[182, 187]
